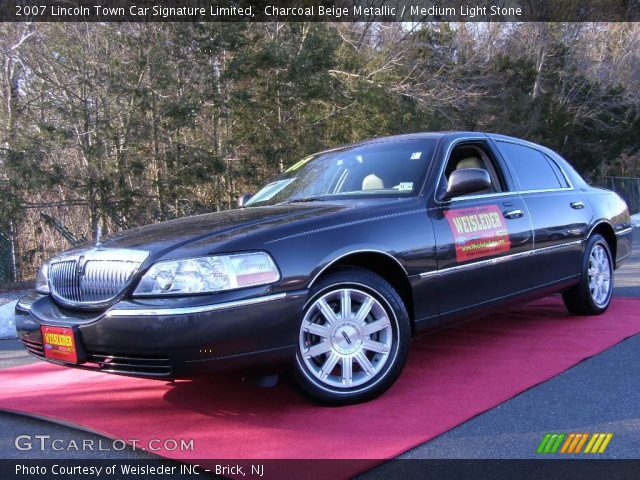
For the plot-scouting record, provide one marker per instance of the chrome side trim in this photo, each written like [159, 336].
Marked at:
[497, 260]
[560, 246]
[481, 263]
[156, 312]
[475, 197]
[353, 252]
[502, 194]
[624, 231]
[545, 190]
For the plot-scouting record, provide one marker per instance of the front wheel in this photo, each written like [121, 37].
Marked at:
[592, 295]
[353, 338]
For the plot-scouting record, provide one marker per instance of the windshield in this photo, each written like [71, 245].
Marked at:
[394, 168]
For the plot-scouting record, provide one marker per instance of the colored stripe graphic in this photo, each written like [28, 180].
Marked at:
[567, 442]
[584, 439]
[596, 445]
[594, 437]
[557, 444]
[543, 443]
[547, 448]
[551, 442]
[573, 443]
[605, 443]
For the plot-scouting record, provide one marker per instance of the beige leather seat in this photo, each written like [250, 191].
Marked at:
[372, 182]
[470, 162]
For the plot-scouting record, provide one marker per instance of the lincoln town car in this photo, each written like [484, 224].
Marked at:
[331, 268]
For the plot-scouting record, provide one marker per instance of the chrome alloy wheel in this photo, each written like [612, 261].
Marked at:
[346, 338]
[599, 275]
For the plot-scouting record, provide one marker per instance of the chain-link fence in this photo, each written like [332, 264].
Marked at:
[7, 270]
[627, 187]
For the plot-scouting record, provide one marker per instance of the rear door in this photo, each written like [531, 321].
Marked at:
[558, 212]
[484, 240]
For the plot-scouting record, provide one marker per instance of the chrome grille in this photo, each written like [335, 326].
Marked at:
[33, 347]
[133, 365]
[93, 277]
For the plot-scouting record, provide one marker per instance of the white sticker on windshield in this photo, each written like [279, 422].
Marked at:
[416, 155]
[404, 186]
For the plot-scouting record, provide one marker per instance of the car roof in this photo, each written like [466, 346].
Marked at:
[388, 138]
[437, 136]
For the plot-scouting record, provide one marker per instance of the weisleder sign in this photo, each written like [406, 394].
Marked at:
[478, 232]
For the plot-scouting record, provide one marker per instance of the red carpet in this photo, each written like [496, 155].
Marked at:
[451, 376]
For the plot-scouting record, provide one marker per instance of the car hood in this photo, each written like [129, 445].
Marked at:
[216, 227]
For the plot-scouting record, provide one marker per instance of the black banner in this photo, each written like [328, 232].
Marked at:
[407, 469]
[320, 10]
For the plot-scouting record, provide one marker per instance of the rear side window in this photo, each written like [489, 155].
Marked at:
[531, 167]
[556, 169]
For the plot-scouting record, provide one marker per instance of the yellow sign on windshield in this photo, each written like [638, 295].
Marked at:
[299, 164]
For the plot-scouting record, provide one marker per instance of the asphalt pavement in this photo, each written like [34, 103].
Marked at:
[600, 394]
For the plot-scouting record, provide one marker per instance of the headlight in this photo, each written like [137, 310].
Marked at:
[208, 274]
[42, 279]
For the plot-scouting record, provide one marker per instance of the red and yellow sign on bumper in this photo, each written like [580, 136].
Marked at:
[478, 232]
[59, 344]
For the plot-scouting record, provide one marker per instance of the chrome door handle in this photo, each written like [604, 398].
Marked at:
[577, 205]
[513, 214]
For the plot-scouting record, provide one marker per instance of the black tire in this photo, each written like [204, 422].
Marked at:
[581, 299]
[362, 378]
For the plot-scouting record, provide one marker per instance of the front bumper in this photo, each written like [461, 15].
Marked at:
[173, 337]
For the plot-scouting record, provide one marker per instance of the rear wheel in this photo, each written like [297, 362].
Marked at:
[353, 338]
[592, 295]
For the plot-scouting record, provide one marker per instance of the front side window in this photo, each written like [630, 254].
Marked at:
[472, 155]
[531, 168]
[394, 168]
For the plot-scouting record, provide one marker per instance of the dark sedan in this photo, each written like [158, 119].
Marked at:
[334, 265]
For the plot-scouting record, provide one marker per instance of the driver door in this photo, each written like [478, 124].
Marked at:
[484, 239]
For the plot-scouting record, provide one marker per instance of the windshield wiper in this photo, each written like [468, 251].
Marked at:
[303, 200]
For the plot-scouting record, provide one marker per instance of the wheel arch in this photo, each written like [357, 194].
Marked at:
[606, 230]
[382, 264]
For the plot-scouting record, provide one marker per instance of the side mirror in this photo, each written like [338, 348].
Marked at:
[243, 199]
[466, 181]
